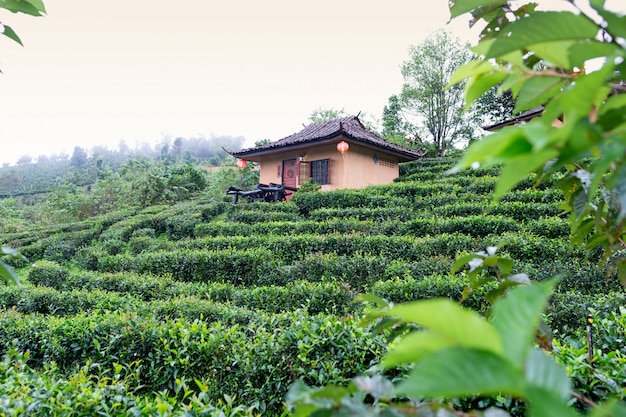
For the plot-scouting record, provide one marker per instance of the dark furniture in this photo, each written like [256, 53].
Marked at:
[263, 192]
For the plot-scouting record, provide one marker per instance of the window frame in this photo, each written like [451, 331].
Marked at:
[306, 170]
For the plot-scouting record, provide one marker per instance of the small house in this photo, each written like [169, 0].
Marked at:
[336, 154]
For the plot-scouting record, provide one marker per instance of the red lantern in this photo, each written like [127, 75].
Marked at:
[242, 163]
[343, 147]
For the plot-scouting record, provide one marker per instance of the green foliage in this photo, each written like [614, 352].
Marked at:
[7, 274]
[589, 145]
[457, 353]
[308, 186]
[254, 363]
[425, 112]
[30, 7]
[165, 184]
[97, 390]
[605, 377]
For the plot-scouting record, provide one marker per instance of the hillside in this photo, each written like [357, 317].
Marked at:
[193, 301]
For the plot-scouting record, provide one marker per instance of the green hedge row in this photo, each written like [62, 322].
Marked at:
[257, 267]
[526, 247]
[283, 207]
[289, 249]
[515, 210]
[379, 214]
[237, 266]
[332, 297]
[94, 391]
[308, 202]
[48, 301]
[255, 363]
[344, 226]
[474, 225]
[98, 224]
[263, 260]
[415, 190]
[59, 247]
[257, 216]
[407, 289]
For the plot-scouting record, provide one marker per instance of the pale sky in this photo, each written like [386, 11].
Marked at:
[94, 73]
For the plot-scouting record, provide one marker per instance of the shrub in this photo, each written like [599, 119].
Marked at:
[605, 377]
[478, 226]
[379, 214]
[568, 310]
[97, 390]
[48, 273]
[407, 288]
[255, 363]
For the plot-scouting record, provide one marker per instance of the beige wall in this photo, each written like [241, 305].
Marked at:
[354, 169]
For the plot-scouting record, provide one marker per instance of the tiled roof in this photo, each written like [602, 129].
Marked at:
[350, 127]
[523, 117]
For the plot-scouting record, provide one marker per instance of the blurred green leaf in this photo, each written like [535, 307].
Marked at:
[517, 316]
[462, 372]
[458, 7]
[449, 320]
[516, 169]
[537, 91]
[31, 7]
[555, 53]
[478, 85]
[543, 372]
[543, 27]
[414, 346]
[8, 274]
[10, 33]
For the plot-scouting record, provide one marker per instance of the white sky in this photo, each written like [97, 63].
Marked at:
[93, 73]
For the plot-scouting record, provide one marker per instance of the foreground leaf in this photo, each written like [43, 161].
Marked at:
[10, 33]
[462, 372]
[31, 7]
[543, 372]
[543, 403]
[517, 316]
[542, 27]
[7, 274]
[450, 321]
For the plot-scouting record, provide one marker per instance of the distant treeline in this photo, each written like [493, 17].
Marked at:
[46, 172]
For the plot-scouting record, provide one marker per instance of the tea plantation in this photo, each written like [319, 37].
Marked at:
[211, 308]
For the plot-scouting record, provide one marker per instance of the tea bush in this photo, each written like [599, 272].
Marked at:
[379, 214]
[479, 226]
[407, 288]
[536, 249]
[49, 273]
[605, 377]
[308, 202]
[257, 363]
[568, 310]
[331, 297]
[94, 390]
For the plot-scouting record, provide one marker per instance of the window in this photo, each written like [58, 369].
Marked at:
[319, 171]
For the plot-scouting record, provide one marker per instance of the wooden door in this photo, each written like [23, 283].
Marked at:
[290, 172]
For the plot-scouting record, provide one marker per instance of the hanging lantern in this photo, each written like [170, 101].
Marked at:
[343, 147]
[242, 163]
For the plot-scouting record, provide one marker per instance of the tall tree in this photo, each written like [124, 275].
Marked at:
[426, 111]
[79, 157]
[494, 106]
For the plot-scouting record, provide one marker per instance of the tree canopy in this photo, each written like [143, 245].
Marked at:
[426, 111]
